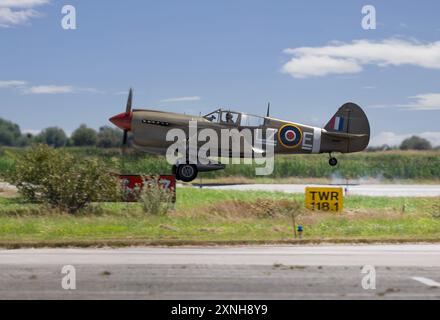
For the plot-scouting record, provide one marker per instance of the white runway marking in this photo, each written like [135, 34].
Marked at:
[427, 281]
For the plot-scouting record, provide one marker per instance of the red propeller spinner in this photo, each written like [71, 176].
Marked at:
[123, 120]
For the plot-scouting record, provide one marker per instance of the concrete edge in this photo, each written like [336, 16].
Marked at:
[10, 245]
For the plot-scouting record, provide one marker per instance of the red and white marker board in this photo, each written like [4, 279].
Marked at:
[137, 182]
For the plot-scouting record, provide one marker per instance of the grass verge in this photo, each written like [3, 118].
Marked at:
[218, 217]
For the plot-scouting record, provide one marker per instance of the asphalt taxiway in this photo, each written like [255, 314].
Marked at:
[255, 272]
[385, 190]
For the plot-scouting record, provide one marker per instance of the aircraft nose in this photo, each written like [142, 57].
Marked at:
[122, 120]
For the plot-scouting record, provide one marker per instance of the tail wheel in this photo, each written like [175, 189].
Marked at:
[186, 172]
[333, 162]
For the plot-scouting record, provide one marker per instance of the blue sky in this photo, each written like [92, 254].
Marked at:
[306, 57]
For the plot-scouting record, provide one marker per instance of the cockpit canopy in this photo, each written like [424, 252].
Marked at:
[240, 119]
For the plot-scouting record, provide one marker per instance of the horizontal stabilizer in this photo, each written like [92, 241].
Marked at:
[345, 135]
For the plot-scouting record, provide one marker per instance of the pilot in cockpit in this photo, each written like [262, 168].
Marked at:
[229, 118]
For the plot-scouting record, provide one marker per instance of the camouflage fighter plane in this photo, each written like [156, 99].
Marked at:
[347, 131]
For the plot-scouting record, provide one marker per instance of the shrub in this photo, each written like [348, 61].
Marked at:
[109, 137]
[55, 177]
[9, 133]
[156, 199]
[84, 136]
[415, 143]
[53, 136]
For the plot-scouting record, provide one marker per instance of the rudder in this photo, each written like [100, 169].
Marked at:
[350, 120]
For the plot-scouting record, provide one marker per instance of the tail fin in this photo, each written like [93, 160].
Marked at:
[351, 126]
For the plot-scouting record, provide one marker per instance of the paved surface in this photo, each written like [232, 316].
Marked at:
[264, 272]
[388, 190]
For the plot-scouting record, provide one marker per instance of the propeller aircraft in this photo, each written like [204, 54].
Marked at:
[348, 131]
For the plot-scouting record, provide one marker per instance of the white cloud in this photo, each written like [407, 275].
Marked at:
[420, 102]
[90, 90]
[22, 3]
[12, 83]
[349, 58]
[19, 12]
[427, 101]
[50, 90]
[387, 138]
[317, 66]
[121, 93]
[182, 99]
[394, 139]
[433, 137]
[45, 89]
[9, 17]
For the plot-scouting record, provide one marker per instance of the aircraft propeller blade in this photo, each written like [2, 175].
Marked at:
[129, 101]
[125, 142]
[268, 110]
[125, 138]
[127, 111]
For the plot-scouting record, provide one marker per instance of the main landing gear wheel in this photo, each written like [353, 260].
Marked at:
[333, 161]
[186, 172]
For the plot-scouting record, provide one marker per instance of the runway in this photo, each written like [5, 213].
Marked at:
[386, 190]
[257, 272]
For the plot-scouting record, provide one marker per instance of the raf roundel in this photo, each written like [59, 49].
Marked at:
[289, 136]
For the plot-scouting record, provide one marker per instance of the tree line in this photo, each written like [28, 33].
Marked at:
[108, 137]
[411, 143]
[105, 137]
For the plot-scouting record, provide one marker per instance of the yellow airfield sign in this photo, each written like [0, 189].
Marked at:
[324, 199]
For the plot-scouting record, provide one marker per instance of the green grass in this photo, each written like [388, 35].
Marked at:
[5, 164]
[192, 220]
[380, 165]
[65, 228]
[192, 197]
[406, 227]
